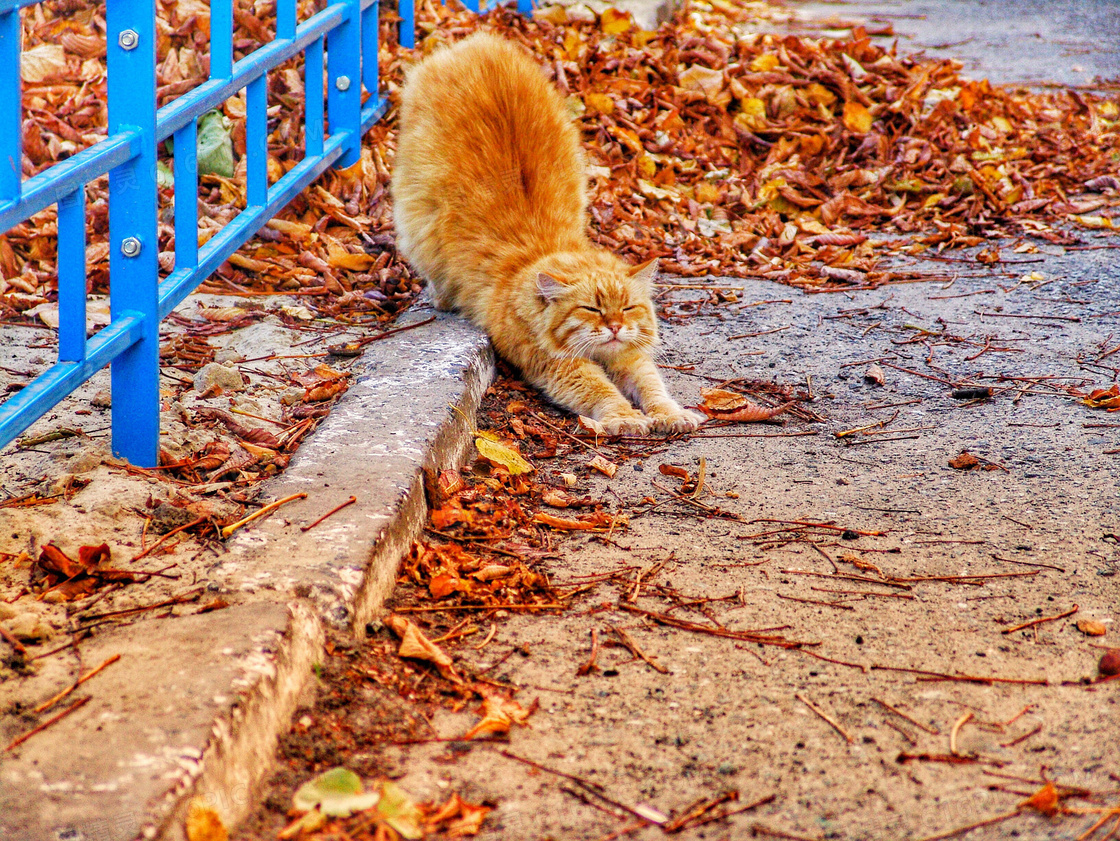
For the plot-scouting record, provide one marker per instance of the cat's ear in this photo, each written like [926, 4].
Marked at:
[644, 272]
[549, 287]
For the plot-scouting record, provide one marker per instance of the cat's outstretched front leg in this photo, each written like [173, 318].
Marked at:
[583, 387]
[637, 376]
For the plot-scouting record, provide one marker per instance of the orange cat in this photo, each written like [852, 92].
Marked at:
[490, 204]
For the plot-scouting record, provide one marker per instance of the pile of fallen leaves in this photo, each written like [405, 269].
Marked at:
[727, 152]
[718, 149]
[491, 523]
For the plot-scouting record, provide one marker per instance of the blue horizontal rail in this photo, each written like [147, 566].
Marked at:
[343, 37]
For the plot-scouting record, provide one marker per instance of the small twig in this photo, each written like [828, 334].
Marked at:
[761, 829]
[910, 740]
[964, 678]
[593, 788]
[334, 510]
[19, 740]
[836, 605]
[828, 720]
[745, 636]
[901, 714]
[723, 815]
[50, 702]
[489, 636]
[393, 332]
[566, 434]
[976, 825]
[960, 722]
[633, 648]
[1022, 738]
[829, 526]
[20, 648]
[186, 597]
[1040, 620]
[268, 509]
[170, 534]
[482, 607]
[966, 578]
[589, 665]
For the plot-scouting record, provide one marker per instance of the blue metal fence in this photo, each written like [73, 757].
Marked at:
[346, 31]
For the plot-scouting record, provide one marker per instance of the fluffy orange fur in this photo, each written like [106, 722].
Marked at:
[490, 206]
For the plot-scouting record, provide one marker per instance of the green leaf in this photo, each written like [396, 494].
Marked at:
[400, 811]
[215, 147]
[338, 793]
[164, 176]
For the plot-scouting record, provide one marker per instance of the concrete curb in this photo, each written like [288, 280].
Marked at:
[196, 704]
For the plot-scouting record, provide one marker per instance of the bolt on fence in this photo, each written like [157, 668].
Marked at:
[343, 36]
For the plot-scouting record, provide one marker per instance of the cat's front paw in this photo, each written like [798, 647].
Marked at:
[629, 424]
[675, 419]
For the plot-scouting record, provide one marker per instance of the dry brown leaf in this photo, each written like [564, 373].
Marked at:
[556, 498]
[499, 714]
[607, 468]
[1092, 628]
[1045, 800]
[562, 524]
[417, 646]
[672, 470]
[964, 461]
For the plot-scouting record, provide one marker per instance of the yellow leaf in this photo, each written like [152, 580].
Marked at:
[752, 113]
[500, 454]
[600, 103]
[856, 118]
[614, 22]
[651, 191]
[707, 192]
[719, 400]
[647, 166]
[203, 823]
[764, 63]
[554, 14]
[818, 94]
[296, 230]
[339, 258]
[1097, 222]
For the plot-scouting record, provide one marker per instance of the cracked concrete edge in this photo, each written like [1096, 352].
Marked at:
[411, 408]
[243, 742]
[241, 750]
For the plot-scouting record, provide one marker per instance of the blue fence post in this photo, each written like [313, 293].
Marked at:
[133, 246]
[525, 7]
[72, 276]
[11, 106]
[371, 75]
[344, 82]
[406, 34]
[186, 196]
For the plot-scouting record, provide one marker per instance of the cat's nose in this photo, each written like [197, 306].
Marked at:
[614, 326]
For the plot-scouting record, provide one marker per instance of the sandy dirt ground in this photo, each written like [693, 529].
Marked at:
[914, 706]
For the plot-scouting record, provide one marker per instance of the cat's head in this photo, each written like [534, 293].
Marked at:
[596, 306]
